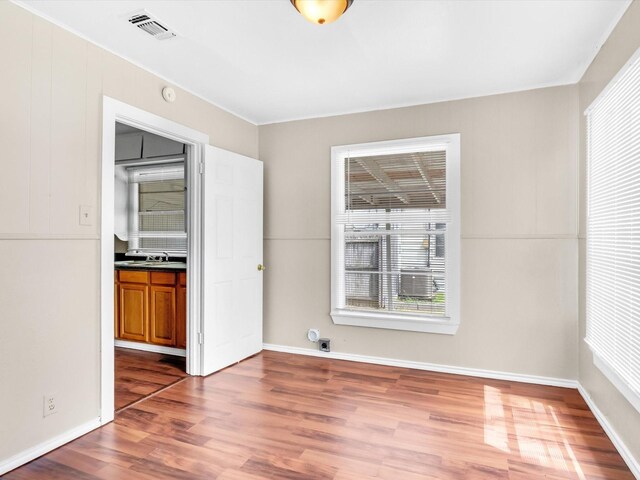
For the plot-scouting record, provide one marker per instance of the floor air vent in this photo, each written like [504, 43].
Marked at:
[144, 21]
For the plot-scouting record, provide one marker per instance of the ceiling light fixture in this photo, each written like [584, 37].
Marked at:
[321, 11]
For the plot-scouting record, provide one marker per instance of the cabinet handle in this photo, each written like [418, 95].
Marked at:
[261, 267]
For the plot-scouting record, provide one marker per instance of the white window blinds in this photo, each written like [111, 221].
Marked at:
[157, 217]
[613, 230]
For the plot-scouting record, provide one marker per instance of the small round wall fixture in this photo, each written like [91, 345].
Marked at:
[169, 94]
[321, 12]
[313, 334]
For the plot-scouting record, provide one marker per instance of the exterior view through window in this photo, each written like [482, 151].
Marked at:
[395, 265]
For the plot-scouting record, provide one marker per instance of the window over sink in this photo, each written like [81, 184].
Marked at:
[156, 205]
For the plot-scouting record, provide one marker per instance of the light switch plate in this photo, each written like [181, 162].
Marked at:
[86, 215]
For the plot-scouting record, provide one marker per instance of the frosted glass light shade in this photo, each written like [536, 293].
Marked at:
[321, 11]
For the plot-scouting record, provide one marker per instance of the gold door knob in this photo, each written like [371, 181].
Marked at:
[261, 267]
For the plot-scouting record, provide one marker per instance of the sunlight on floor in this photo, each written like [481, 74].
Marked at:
[495, 428]
[535, 428]
[576, 465]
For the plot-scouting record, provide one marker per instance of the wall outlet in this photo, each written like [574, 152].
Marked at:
[49, 405]
[324, 344]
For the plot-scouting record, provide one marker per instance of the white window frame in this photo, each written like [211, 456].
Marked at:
[397, 320]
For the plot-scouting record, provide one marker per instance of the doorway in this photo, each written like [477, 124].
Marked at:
[151, 255]
[224, 270]
[125, 118]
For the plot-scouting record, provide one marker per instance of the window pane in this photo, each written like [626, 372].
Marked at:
[400, 266]
[396, 271]
[161, 219]
[405, 181]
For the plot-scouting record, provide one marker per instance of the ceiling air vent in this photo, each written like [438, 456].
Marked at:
[144, 21]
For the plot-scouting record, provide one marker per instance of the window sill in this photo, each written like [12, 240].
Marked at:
[632, 397]
[390, 321]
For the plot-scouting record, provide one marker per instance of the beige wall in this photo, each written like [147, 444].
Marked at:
[519, 231]
[50, 134]
[620, 46]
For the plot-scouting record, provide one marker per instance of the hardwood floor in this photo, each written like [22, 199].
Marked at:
[138, 374]
[281, 416]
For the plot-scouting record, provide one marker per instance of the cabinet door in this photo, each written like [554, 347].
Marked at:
[181, 318]
[162, 317]
[133, 312]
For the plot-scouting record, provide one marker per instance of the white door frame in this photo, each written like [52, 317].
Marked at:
[112, 111]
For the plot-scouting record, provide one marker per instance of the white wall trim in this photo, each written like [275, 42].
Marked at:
[47, 446]
[432, 367]
[605, 36]
[632, 463]
[468, 236]
[147, 347]
[48, 236]
[519, 236]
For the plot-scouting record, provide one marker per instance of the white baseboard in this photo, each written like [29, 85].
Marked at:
[632, 463]
[432, 367]
[45, 447]
[147, 347]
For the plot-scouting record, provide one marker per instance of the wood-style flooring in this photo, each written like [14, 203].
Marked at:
[281, 416]
[138, 374]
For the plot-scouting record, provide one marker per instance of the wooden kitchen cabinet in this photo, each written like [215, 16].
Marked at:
[151, 307]
[162, 317]
[134, 319]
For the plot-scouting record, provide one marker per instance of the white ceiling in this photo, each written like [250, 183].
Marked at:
[263, 61]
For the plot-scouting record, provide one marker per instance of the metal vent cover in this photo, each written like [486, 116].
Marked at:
[147, 23]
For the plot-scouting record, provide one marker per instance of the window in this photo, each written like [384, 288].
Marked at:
[157, 206]
[396, 234]
[613, 231]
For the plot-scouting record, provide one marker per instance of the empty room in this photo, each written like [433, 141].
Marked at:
[320, 239]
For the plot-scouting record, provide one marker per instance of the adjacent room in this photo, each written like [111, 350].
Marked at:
[150, 262]
[320, 239]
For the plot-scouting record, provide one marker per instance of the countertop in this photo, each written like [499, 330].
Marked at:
[142, 265]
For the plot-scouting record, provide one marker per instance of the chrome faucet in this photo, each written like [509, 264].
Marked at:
[163, 257]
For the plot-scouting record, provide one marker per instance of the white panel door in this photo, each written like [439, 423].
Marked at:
[232, 252]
